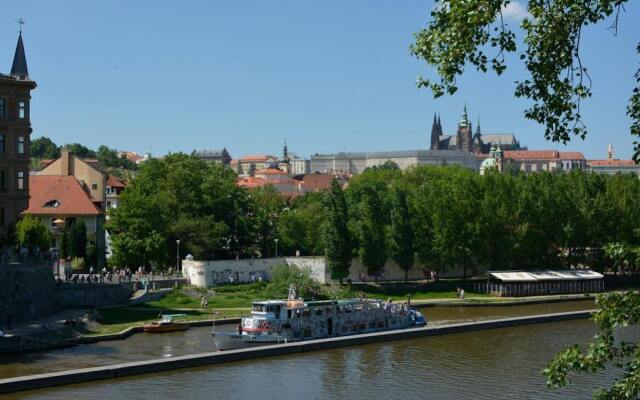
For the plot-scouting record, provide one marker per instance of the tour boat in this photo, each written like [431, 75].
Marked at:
[291, 320]
[166, 324]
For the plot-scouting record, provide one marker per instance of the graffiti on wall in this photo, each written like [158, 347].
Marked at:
[230, 277]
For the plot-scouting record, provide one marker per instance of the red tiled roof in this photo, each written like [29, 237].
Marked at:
[257, 157]
[317, 181]
[543, 155]
[612, 163]
[270, 171]
[251, 182]
[66, 190]
[114, 182]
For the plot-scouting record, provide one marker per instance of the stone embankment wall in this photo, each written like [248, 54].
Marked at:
[210, 273]
[26, 292]
[92, 295]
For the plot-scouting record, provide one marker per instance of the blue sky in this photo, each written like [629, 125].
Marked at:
[328, 75]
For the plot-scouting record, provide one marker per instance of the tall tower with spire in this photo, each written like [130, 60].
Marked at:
[15, 130]
[464, 140]
[610, 152]
[285, 161]
[435, 136]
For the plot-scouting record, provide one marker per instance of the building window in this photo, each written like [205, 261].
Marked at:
[22, 109]
[1, 215]
[20, 175]
[3, 108]
[94, 186]
[20, 144]
[3, 184]
[2, 141]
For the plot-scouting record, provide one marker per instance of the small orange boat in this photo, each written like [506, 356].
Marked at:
[165, 325]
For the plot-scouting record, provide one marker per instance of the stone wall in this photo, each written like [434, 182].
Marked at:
[92, 295]
[26, 292]
[211, 273]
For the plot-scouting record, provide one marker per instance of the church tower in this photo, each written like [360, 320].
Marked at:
[464, 135]
[478, 145]
[285, 161]
[435, 135]
[15, 130]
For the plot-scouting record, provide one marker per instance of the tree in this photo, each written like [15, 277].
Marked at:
[371, 233]
[32, 233]
[78, 240]
[44, 148]
[460, 32]
[336, 235]
[80, 150]
[616, 310]
[401, 236]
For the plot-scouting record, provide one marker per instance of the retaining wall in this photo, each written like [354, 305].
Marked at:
[197, 360]
[211, 273]
[92, 295]
[26, 292]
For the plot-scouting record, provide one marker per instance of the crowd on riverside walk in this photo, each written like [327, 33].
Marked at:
[118, 275]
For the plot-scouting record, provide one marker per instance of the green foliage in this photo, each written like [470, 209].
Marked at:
[401, 236]
[77, 240]
[109, 158]
[77, 263]
[336, 235]
[80, 150]
[616, 310]
[371, 232]
[283, 276]
[32, 233]
[44, 148]
[473, 32]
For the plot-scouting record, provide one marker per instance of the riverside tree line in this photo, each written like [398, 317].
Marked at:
[437, 218]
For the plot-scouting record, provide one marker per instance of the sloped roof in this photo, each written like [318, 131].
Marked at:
[257, 157]
[546, 275]
[19, 66]
[270, 171]
[612, 163]
[251, 182]
[317, 181]
[114, 182]
[543, 155]
[65, 190]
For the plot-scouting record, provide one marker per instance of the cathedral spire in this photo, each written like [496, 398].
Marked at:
[439, 126]
[19, 68]
[478, 132]
[465, 117]
[435, 134]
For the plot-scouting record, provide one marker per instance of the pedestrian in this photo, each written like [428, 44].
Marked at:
[461, 294]
[206, 303]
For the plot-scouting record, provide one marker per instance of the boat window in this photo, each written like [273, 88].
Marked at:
[258, 307]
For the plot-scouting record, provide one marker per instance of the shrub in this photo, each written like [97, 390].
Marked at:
[283, 276]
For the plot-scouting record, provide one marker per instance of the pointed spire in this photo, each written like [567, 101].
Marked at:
[285, 151]
[435, 135]
[439, 126]
[478, 132]
[19, 68]
[465, 117]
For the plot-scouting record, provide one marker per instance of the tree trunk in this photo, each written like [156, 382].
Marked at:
[406, 275]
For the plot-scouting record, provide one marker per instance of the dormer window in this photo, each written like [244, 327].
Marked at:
[52, 204]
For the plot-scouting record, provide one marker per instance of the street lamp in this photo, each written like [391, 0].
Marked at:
[276, 247]
[178, 256]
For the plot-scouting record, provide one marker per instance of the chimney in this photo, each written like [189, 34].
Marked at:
[65, 162]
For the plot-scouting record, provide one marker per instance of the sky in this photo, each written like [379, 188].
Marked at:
[164, 76]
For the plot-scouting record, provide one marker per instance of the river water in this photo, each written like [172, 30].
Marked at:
[492, 364]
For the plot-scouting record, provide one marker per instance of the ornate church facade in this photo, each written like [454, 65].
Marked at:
[468, 142]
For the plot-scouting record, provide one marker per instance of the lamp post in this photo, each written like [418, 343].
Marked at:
[276, 239]
[178, 256]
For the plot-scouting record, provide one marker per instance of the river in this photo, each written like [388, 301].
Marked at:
[493, 364]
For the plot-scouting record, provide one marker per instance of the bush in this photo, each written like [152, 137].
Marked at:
[283, 276]
[32, 233]
[77, 263]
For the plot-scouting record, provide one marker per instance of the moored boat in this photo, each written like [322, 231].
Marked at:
[166, 324]
[291, 320]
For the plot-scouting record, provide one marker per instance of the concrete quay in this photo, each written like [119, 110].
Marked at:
[198, 360]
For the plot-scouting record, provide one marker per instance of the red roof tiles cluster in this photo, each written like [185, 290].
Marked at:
[59, 196]
[612, 163]
[543, 155]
